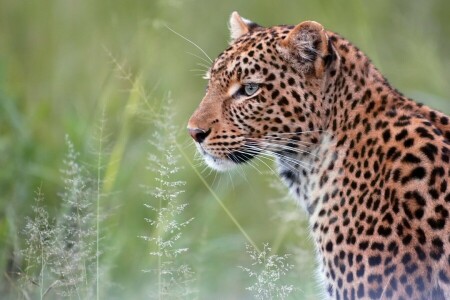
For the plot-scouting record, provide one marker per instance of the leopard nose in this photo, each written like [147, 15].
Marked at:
[199, 135]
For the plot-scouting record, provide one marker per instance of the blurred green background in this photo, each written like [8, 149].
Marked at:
[64, 64]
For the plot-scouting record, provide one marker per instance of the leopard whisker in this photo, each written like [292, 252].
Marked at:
[203, 65]
[303, 164]
[199, 57]
[188, 40]
[272, 158]
[279, 141]
[256, 157]
[199, 72]
[271, 154]
[287, 139]
[228, 152]
[300, 132]
[288, 148]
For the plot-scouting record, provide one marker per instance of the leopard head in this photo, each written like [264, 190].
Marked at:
[264, 94]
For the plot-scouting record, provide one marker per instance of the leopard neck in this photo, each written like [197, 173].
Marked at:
[352, 81]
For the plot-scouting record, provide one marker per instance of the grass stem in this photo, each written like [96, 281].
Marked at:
[227, 211]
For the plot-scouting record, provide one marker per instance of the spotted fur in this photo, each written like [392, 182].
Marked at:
[369, 166]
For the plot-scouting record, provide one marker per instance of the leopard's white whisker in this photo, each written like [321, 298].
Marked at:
[191, 42]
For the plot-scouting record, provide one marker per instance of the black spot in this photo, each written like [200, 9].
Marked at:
[359, 258]
[443, 276]
[436, 172]
[270, 77]
[339, 239]
[416, 196]
[350, 277]
[401, 135]
[396, 175]
[360, 291]
[370, 107]
[411, 158]
[416, 173]
[350, 259]
[392, 247]
[421, 236]
[390, 270]
[374, 260]
[384, 231]
[344, 48]
[403, 279]
[386, 135]
[389, 293]
[436, 223]
[437, 293]
[330, 290]
[360, 271]
[393, 283]
[377, 246]
[288, 175]
[375, 293]
[340, 283]
[411, 268]
[391, 152]
[275, 94]
[388, 217]
[375, 278]
[420, 253]
[438, 248]
[409, 290]
[408, 142]
[283, 101]
[423, 132]
[363, 245]
[296, 96]
[433, 193]
[407, 239]
[429, 150]
[420, 284]
[329, 247]
[406, 258]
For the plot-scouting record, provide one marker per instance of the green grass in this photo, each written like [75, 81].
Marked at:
[67, 65]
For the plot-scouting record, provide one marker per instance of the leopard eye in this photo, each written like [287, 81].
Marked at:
[251, 88]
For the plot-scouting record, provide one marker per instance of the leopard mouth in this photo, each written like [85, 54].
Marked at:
[230, 160]
[239, 157]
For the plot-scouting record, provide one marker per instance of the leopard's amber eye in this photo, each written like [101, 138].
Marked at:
[251, 88]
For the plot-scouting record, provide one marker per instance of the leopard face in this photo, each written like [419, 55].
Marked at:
[370, 167]
[261, 96]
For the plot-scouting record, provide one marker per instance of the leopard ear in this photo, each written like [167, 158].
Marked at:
[239, 26]
[306, 46]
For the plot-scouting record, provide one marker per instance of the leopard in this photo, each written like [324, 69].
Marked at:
[369, 166]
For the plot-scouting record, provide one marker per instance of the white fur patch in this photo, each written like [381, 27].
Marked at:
[234, 87]
[207, 75]
[238, 26]
[215, 163]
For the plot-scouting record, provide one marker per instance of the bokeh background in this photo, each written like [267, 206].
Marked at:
[67, 65]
